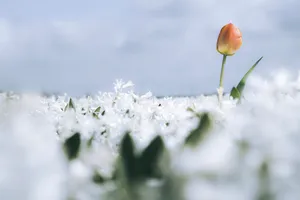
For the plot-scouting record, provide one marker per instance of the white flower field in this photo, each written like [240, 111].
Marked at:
[121, 145]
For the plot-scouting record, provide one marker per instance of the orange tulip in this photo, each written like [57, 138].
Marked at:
[229, 40]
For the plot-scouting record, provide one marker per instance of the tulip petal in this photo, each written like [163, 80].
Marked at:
[229, 40]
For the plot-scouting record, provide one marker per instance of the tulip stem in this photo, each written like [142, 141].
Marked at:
[220, 90]
[222, 70]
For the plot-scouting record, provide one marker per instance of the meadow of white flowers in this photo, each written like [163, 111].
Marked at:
[250, 152]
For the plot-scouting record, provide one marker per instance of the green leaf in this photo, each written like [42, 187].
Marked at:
[97, 178]
[264, 191]
[194, 112]
[190, 109]
[243, 147]
[128, 157]
[70, 105]
[95, 116]
[235, 93]
[198, 134]
[72, 146]
[148, 160]
[90, 141]
[240, 87]
[97, 110]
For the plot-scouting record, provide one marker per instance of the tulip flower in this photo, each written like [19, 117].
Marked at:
[229, 41]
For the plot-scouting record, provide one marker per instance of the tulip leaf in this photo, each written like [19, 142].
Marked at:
[198, 134]
[235, 93]
[240, 87]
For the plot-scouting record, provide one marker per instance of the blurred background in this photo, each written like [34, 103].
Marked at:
[167, 47]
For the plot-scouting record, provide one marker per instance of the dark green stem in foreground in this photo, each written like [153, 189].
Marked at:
[222, 71]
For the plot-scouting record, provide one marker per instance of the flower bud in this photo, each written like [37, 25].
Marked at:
[229, 40]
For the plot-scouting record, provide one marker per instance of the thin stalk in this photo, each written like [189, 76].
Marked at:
[222, 71]
[220, 90]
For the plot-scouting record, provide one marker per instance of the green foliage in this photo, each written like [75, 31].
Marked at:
[201, 131]
[133, 170]
[96, 112]
[199, 115]
[190, 109]
[72, 146]
[243, 147]
[237, 91]
[90, 141]
[264, 192]
[143, 166]
[127, 157]
[148, 160]
[97, 178]
[70, 105]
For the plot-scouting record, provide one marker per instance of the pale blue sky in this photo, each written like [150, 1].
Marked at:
[163, 46]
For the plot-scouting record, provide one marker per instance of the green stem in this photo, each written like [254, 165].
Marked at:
[222, 71]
